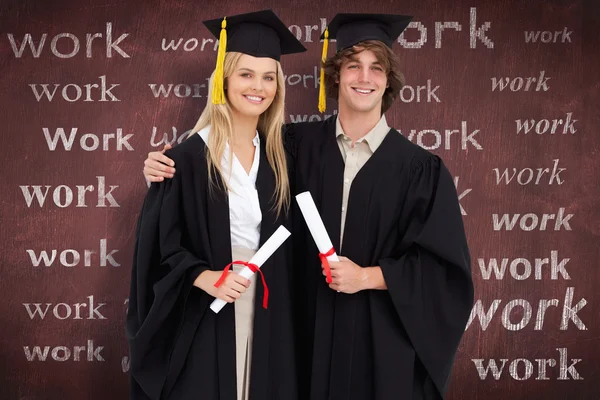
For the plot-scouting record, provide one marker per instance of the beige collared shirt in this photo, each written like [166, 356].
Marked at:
[356, 156]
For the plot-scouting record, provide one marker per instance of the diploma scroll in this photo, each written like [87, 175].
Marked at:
[262, 255]
[317, 228]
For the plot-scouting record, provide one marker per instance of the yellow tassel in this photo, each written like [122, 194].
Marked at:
[322, 98]
[218, 91]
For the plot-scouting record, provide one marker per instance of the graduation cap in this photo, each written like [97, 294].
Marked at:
[350, 29]
[259, 34]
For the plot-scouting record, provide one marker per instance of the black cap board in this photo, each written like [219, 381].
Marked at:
[259, 34]
[351, 29]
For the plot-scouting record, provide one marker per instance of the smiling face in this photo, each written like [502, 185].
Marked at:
[362, 83]
[364, 53]
[252, 85]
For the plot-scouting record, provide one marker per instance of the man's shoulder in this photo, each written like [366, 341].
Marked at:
[307, 133]
[313, 126]
[409, 151]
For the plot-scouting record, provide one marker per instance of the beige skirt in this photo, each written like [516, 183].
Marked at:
[244, 324]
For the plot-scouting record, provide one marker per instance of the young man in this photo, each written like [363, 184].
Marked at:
[389, 323]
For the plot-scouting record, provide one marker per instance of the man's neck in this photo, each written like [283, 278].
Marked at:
[356, 125]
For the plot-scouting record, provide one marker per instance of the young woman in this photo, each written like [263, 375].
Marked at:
[230, 193]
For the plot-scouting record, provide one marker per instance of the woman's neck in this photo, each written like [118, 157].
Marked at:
[244, 130]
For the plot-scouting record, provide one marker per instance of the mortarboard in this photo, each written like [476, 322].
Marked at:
[259, 34]
[350, 29]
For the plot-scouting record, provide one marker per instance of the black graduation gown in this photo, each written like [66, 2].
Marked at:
[179, 348]
[403, 215]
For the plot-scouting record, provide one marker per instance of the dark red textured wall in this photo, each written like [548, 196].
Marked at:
[471, 97]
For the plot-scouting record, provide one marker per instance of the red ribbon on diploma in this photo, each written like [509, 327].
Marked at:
[325, 262]
[254, 268]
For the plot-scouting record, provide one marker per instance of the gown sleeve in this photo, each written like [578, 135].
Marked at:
[162, 277]
[429, 277]
[290, 141]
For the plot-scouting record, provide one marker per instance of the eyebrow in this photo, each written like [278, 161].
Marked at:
[355, 59]
[250, 70]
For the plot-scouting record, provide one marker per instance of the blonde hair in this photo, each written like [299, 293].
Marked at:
[270, 124]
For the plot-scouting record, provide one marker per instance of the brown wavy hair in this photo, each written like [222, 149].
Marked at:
[389, 61]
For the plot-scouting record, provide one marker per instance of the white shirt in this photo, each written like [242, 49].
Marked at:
[244, 208]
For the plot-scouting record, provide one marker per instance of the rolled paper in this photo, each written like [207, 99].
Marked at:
[262, 255]
[317, 230]
[252, 267]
